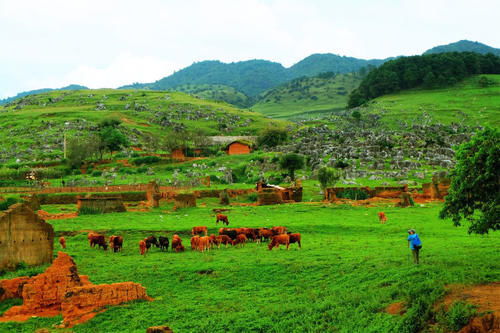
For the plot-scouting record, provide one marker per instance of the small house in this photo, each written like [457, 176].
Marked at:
[238, 147]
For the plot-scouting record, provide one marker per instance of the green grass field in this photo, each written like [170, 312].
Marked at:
[307, 97]
[350, 268]
[465, 103]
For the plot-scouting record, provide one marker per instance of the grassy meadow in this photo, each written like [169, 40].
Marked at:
[466, 103]
[350, 268]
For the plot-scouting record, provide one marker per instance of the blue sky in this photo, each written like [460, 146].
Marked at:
[103, 43]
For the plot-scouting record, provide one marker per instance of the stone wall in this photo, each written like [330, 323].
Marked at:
[24, 237]
[269, 196]
[101, 204]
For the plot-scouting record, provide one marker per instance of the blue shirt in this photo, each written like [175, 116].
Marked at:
[414, 241]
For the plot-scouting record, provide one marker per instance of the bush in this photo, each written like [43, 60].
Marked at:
[145, 160]
[9, 201]
[253, 197]
[272, 136]
[353, 194]
[457, 316]
[328, 177]
[339, 164]
[96, 173]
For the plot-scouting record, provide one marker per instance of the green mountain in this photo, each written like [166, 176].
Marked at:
[327, 62]
[464, 46]
[304, 97]
[218, 93]
[38, 91]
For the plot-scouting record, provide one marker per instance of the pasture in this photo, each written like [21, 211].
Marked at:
[349, 270]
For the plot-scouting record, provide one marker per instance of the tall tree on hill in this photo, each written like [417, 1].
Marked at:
[474, 193]
[112, 139]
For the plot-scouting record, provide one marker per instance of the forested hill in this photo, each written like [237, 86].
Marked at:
[39, 91]
[427, 71]
[327, 62]
[464, 46]
[255, 76]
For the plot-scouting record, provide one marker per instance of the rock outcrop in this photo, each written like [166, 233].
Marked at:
[61, 289]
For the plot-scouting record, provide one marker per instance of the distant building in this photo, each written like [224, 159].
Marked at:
[178, 154]
[238, 148]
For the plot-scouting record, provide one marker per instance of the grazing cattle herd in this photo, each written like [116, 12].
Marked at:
[236, 237]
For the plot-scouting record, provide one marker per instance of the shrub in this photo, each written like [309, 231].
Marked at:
[327, 177]
[8, 202]
[341, 164]
[252, 197]
[145, 160]
[272, 136]
[353, 194]
[96, 173]
[457, 316]
[292, 162]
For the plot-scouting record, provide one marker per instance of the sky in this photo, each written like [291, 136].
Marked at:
[109, 43]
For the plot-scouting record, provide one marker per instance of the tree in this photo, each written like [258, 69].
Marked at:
[474, 193]
[79, 149]
[113, 139]
[292, 162]
[272, 136]
[327, 177]
[356, 115]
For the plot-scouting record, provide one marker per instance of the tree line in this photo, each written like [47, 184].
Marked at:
[427, 71]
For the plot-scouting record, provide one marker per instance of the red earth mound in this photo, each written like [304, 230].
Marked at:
[487, 299]
[61, 290]
[47, 216]
[396, 308]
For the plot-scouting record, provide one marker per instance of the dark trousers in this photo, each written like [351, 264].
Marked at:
[416, 252]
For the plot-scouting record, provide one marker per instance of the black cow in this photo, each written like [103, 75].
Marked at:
[230, 233]
[151, 240]
[163, 243]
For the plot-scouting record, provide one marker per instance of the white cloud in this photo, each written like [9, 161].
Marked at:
[107, 43]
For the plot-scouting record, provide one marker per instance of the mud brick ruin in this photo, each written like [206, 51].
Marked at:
[24, 237]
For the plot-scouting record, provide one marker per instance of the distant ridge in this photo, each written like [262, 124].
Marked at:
[39, 91]
[464, 46]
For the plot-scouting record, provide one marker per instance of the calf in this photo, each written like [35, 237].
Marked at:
[382, 218]
[142, 247]
[176, 243]
[204, 243]
[116, 243]
[240, 239]
[98, 240]
[295, 238]
[197, 230]
[151, 240]
[223, 218]
[279, 239]
[223, 239]
[265, 234]
[90, 237]
[163, 241]
[62, 241]
[278, 230]
[194, 242]
[230, 233]
[213, 240]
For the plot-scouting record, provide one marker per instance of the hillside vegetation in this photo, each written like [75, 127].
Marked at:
[218, 93]
[307, 97]
[429, 71]
[474, 101]
[39, 91]
[32, 128]
[464, 46]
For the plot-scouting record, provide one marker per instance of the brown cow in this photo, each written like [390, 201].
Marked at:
[223, 239]
[194, 242]
[204, 243]
[382, 218]
[279, 239]
[142, 247]
[265, 234]
[213, 240]
[295, 238]
[90, 237]
[98, 240]
[116, 243]
[240, 239]
[197, 230]
[179, 248]
[62, 241]
[176, 242]
[278, 230]
[223, 218]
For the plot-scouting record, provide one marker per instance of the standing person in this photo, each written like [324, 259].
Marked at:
[414, 244]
